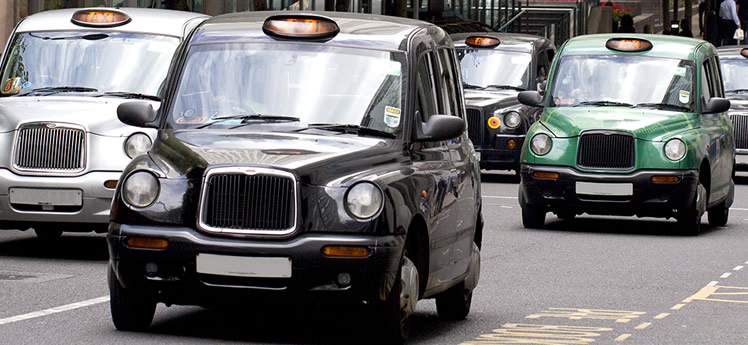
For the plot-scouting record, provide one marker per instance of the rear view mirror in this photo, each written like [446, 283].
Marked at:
[531, 98]
[138, 114]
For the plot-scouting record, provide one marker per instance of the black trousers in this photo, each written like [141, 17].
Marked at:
[726, 31]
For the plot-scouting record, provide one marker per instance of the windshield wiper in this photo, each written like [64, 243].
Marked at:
[605, 104]
[507, 87]
[131, 95]
[471, 86]
[246, 118]
[58, 89]
[349, 129]
[737, 91]
[663, 106]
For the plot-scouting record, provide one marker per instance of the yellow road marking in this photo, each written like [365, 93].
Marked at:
[623, 337]
[708, 292]
[678, 306]
[643, 325]
[515, 333]
[662, 316]
[620, 316]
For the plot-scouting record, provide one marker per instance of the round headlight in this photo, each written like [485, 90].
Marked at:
[140, 189]
[137, 144]
[512, 119]
[364, 200]
[541, 144]
[675, 149]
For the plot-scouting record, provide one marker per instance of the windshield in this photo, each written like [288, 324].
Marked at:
[486, 67]
[222, 84]
[623, 80]
[86, 62]
[734, 71]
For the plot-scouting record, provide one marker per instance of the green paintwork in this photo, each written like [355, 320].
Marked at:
[662, 46]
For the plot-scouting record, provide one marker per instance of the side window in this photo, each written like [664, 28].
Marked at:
[450, 100]
[425, 91]
[717, 76]
[541, 63]
[707, 88]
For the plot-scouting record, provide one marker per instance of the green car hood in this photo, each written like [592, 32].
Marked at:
[645, 123]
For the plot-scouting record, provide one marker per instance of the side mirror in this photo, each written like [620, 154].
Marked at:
[441, 127]
[531, 98]
[138, 114]
[716, 105]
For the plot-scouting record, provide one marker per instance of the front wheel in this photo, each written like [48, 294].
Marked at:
[718, 215]
[393, 316]
[47, 232]
[131, 311]
[533, 217]
[689, 220]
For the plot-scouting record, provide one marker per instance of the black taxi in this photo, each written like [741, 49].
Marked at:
[320, 157]
[495, 67]
[733, 61]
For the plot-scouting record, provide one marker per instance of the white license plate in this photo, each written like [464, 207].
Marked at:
[46, 197]
[243, 266]
[605, 189]
[741, 159]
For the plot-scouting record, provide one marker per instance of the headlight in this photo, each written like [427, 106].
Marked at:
[137, 144]
[675, 149]
[541, 144]
[512, 119]
[140, 189]
[364, 200]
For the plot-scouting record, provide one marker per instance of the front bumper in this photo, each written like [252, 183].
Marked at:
[313, 275]
[648, 198]
[496, 154]
[93, 213]
[741, 159]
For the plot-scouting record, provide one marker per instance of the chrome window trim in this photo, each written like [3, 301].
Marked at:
[246, 170]
[49, 172]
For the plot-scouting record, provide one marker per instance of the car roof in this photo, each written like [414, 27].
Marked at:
[372, 31]
[509, 41]
[662, 45]
[731, 51]
[144, 20]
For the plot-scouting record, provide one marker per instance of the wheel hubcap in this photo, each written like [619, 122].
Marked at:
[409, 286]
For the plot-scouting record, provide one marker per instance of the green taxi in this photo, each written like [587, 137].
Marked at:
[631, 125]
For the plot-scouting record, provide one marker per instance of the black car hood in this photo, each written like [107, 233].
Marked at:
[738, 102]
[485, 98]
[315, 159]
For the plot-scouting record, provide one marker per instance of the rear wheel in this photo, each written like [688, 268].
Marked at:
[131, 311]
[48, 232]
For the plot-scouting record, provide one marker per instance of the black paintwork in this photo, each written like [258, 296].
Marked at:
[492, 143]
[431, 190]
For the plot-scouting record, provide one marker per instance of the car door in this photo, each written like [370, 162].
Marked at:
[719, 135]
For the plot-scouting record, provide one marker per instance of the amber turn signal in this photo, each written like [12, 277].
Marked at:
[346, 251]
[545, 175]
[511, 143]
[664, 179]
[147, 243]
[111, 184]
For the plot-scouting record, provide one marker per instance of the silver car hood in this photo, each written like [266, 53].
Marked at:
[98, 115]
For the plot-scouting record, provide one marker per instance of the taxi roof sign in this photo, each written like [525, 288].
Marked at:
[300, 26]
[628, 45]
[482, 41]
[100, 18]
[744, 52]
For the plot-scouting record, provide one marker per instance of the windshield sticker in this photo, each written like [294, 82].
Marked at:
[392, 116]
[26, 85]
[685, 96]
[680, 71]
[11, 86]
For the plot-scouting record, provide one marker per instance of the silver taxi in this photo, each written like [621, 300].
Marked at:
[63, 74]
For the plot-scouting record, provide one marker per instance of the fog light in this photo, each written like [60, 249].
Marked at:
[346, 251]
[664, 179]
[147, 243]
[545, 175]
[150, 269]
[111, 184]
[344, 279]
[511, 143]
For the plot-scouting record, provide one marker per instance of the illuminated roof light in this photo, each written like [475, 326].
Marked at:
[628, 45]
[308, 27]
[744, 52]
[482, 41]
[100, 18]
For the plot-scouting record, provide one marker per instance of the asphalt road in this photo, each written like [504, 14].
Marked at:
[592, 280]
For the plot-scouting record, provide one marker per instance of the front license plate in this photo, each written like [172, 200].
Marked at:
[46, 197]
[243, 266]
[741, 159]
[609, 189]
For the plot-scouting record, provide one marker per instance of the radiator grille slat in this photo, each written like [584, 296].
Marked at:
[475, 125]
[39, 147]
[740, 130]
[249, 202]
[606, 151]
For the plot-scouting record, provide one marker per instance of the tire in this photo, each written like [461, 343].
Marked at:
[47, 233]
[393, 315]
[718, 215]
[566, 215]
[533, 217]
[689, 220]
[131, 311]
[454, 304]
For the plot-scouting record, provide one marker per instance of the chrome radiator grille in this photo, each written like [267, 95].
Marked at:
[740, 130]
[475, 125]
[50, 147]
[253, 203]
[606, 151]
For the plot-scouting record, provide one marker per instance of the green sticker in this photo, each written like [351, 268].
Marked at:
[680, 71]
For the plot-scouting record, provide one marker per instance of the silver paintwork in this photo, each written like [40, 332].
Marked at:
[97, 116]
